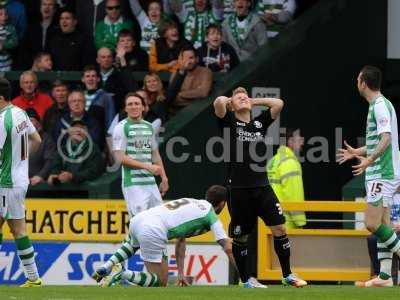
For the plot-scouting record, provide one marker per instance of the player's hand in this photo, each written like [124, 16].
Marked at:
[154, 169]
[164, 186]
[36, 180]
[360, 168]
[181, 281]
[344, 155]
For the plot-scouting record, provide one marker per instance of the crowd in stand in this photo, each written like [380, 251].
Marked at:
[107, 40]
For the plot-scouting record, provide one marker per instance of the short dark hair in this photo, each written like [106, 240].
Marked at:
[289, 132]
[134, 94]
[187, 47]
[5, 89]
[68, 10]
[89, 68]
[216, 194]
[59, 82]
[124, 33]
[213, 26]
[372, 77]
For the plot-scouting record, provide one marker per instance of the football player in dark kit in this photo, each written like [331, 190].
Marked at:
[250, 195]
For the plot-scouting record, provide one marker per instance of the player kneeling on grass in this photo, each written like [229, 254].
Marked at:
[150, 231]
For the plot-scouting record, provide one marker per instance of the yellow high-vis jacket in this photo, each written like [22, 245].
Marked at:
[285, 176]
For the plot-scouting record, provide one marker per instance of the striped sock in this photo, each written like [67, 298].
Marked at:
[141, 278]
[388, 237]
[26, 254]
[121, 255]
[385, 260]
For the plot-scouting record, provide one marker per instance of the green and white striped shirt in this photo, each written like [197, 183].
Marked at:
[15, 127]
[137, 139]
[382, 118]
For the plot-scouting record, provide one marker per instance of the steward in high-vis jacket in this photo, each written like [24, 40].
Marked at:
[285, 176]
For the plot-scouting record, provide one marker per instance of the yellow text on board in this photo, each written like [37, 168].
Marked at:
[84, 220]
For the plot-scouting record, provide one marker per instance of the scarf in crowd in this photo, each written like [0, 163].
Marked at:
[195, 26]
[235, 29]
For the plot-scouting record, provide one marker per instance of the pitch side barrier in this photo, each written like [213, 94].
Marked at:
[73, 236]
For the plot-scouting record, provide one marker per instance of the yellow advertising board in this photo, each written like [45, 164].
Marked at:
[84, 220]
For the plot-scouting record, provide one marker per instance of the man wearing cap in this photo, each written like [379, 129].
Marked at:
[78, 158]
[40, 162]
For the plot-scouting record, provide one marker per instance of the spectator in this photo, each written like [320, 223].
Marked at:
[195, 22]
[99, 103]
[244, 30]
[107, 30]
[191, 82]
[276, 14]
[40, 161]
[78, 160]
[164, 51]
[70, 49]
[30, 97]
[155, 99]
[129, 55]
[42, 62]
[76, 111]
[217, 55]
[8, 40]
[116, 82]
[16, 11]
[59, 93]
[39, 33]
[149, 23]
[90, 12]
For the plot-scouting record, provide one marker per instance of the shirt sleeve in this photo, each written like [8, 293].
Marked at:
[3, 133]
[218, 230]
[31, 129]
[225, 121]
[382, 118]
[119, 139]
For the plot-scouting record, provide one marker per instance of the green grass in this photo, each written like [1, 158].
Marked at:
[275, 292]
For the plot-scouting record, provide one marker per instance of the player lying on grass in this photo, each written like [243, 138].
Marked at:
[150, 231]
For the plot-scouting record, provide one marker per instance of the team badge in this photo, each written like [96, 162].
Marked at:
[257, 124]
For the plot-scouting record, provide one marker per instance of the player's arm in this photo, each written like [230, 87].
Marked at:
[220, 106]
[274, 104]
[180, 250]
[156, 158]
[226, 244]
[33, 137]
[129, 162]
[222, 239]
[384, 130]
[34, 142]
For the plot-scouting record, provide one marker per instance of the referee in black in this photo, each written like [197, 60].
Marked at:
[250, 195]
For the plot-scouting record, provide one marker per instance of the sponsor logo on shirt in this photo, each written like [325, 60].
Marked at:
[257, 124]
[240, 124]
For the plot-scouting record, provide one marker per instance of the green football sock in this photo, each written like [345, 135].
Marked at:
[385, 260]
[26, 254]
[122, 254]
[141, 278]
[388, 237]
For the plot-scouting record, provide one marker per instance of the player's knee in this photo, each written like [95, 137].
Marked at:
[371, 226]
[278, 230]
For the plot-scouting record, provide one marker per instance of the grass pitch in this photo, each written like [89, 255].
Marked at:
[275, 292]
